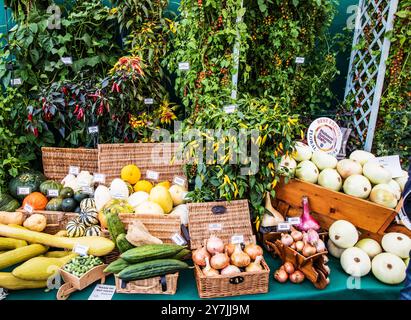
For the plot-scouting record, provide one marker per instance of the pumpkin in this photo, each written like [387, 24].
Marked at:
[75, 229]
[36, 222]
[36, 200]
[162, 197]
[131, 174]
[114, 206]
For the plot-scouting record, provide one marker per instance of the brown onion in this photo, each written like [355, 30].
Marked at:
[215, 245]
[309, 250]
[239, 258]
[297, 235]
[230, 270]
[199, 256]
[255, 266]
[293, 246]
[327, 269]
[229, 249]
[299, 245]
[253, 250]
[325, 259]
[208, 271]
[286, 239]
[320, 246]
[220, 261]
[289, 267]
[281, 276]
[297, 277]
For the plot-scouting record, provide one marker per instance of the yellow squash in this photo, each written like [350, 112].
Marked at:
[57, 254]
[10, 282]
[8, 243]
[21, 254]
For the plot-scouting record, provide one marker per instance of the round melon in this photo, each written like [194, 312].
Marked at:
[361, 156]
[376, 173]
[149, 207]
[161, 195]
[137, 198]
[348, 167]
[357, 186]
[178, 194]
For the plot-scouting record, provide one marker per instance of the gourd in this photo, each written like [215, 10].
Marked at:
[88, 219]
[116, 266]
[9, 244]
[21, 254]
[98, 246]
[149, 207]
[75, 229]
[101, 197]
[36, 200]
[87, 204]
[115, 226]
[10, 282]
[162, 197]
[31, 180]
[178, 194]
[55, 204]
[151, 252]
[50, 185]
[119, 189]
[12, 218]
[93, 231]
[150, 269]
[122, 243]
[36, 222]
[40, 268]
[68, 205]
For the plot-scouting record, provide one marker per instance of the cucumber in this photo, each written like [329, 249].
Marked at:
[184, 254]
[150, 269]
[122, 243]
[117, 266]
[151, 252]
[114, 225]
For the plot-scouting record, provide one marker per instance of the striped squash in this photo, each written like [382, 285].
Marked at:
[87, 204]
[88, 219]
[93, 231]
[75, 229]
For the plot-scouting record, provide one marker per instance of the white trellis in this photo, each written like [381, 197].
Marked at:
[367, 67]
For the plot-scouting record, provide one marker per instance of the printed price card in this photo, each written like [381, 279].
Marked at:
[230, 108]
[74, 170]
[299, 60]
[93, 130]
[215, 227]
[153, 175]
[80, 249]
[391, 163]
[28, 208]
[23, 191]
[16, 82]
[184, 66]
[67, 60]
[103, 292]
[87, 190]
[237, 239]
[178, 239]
[52, 193]
[179, 181]
[99, 178]
[148, 101]
[283, 226]
[294, 221]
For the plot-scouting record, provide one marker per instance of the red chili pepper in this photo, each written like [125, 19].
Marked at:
[30, 117]
[36, 132]
[118, 89]
[113, 87]
[76, 109]
[73, 96]
[65, 91]
[80, 114]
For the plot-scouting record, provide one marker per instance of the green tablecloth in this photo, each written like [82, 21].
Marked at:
[370, 289]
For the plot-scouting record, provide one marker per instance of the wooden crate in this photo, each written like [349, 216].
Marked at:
[166, 284]
[224, 219]
[327, 206]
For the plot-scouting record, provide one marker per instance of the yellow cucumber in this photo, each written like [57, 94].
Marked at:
[10, 282]
[98, 246]
[22, 254]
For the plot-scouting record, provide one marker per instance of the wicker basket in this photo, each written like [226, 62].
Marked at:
[57, 161]
[158, 285]
[56, 220]
[224, 219]
[158, 157]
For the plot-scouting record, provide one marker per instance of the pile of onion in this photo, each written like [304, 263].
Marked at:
[307, 243]
[218, 258]
[288, 272]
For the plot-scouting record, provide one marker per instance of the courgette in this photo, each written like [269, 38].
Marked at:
[10, 282]
[117, 266]
[150, 269]
[114, 225]
[8, 243]
[151, 252]
[21, 254]
[122, 243]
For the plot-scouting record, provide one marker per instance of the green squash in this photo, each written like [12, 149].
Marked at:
[69, 205]
[67, 192]
[8, 203]
[55, 204]
[80, 196]
[50, 185]
[30, 179]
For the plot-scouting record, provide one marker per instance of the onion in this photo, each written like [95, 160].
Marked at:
[229, 249]
[293, 246]
[281, 276]
[361, 156]
[335, 251]
[327, 269]
[325, 258]
[397, 243]
[302, 152]
[230, 270]
[297, 235]
[208, 271]
[253, 251]
[220, 261]
[357, 186]
[215, 245]
[297, 277]
[320, 246]
[384, 196]
[307, 171]
[343, 234]
[388, 268]
[199, 256]
[239, 258]
[307, 221]
[299, 245]
[312, 237]
[255, 266]
[323, 160]
[309, 250]
[355, 262]
[376, 173]
[286, 239]
[370, 247]
[289, 267]
[348, 167]
[330, 179]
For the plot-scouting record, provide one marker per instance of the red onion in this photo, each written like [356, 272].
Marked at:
[297, 235]
[253, 250]
[309, 250]
[220, 261]
[297, 277]
[208, 271]
[299, 245]
[307, 221]
[230, 270]
[215, 245]
[199, 256]
[289, 267]
[281, 276]
[286, 239]
[320, 247]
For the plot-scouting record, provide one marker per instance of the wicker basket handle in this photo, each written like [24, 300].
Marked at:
[163, 283]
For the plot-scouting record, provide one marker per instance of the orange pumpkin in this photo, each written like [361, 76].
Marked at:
[36, 200]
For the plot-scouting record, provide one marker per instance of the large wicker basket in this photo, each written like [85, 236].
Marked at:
[225, 220]
[57, 161]
[158, 157]
[158, 285]
[56, 220]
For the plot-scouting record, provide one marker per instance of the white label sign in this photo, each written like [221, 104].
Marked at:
[294, 221]
[93, 130]
[283, 226]
[324, 134]
[179, 181]
[148, 101]
[74, 170]
[230, 108]
[103, 292]
[23, 191]
[28, 208]
[99, 178]
[184, 66]
[153, 175]
[178, 239]
[87, 190]
[119, 196]
[16, 82]
[237, 239]
[391, 163]
[300, 60]
[52, 193]
[80, 249]
[67, 60]
[215, 227]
